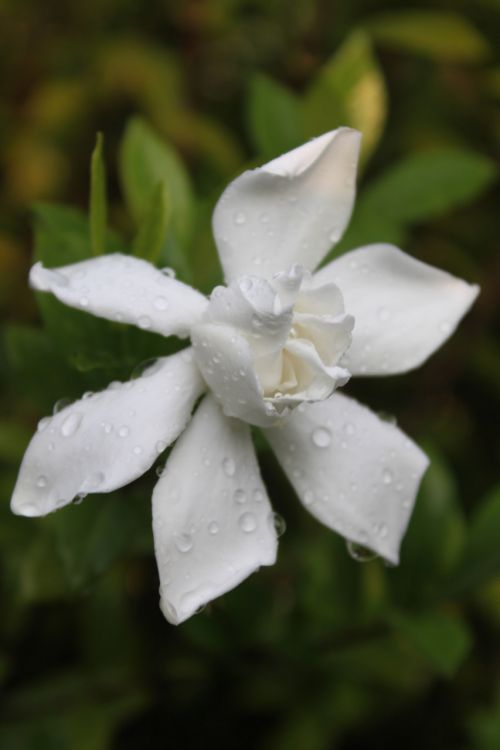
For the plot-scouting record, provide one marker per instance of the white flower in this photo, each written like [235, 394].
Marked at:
[271, 348]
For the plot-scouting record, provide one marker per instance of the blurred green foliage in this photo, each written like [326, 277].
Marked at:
[318, 652]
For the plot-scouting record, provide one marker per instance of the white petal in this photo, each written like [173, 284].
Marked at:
[291, 210]
[404, 309]
[124, 289]
[108, 439]
[212, 520]
[355, 473]
[253, 306]
[226, 360]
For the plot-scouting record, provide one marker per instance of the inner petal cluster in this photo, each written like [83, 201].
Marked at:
[290, 333]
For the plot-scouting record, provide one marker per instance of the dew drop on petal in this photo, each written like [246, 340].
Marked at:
[240, 496]
[168, 272]
[184, 542]
[137, 450]
[159, 470]
[61, 404]
[247, 523]
[387, 476]
[239, 218]
[228, 467]
[349, 428]
[43, 424]
[71, 424]
[279, 523]
[445, 326]
[144, 322]
[160, 303]
[213, 528]
[160, 446]
[41, 481]
[308, 497]
[123, 431]
[321, 437]
[258, 495]
[360, 553]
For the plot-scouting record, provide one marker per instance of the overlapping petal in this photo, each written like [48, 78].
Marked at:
[404, 309]
[108, 439]
[124, 289]
[227, 362]
[291, 210]
[354, 472]
[212, 519]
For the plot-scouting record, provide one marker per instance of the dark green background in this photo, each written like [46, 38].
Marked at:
[319, 651]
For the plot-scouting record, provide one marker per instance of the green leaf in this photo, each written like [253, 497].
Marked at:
[273, 117]
[434, 538]
[98, 199]
[92, 535]
[440, 35]
[145, 161]
[349, 90]
[443, 639]
[153, 228]
[480, 560]
[417, 189]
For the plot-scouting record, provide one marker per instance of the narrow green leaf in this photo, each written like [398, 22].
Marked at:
[98, 199]
[417, 189]
[145, 161]
[152, 232]
[273, 116]
[480, 560]
[441, 35]
[443, 639]
[349, 90]
[425, 185]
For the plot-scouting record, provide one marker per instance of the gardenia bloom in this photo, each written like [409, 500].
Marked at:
[272, 348]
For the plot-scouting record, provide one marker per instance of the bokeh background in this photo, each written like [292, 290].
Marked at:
[319, 652]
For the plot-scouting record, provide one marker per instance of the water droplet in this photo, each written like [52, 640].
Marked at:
[79, 498]
[445, 326]
[240, 496]
[386, 417]
[43, 424]
[387, 476]
[137, 450]
[160, 303]
[247, 523]
[184, 542]
[28, 510]
[349, 428]
[123, 431]
[107, 427]
[160, 446]
[213, 528]
[278, 522]
[239, 218]
[383, 314]
[360, 553]
[383, 531]
[168, 272]
[246, 284]
[159, 470]
[71, 424]
[144, 322]
[84, 301]
[321, 437]
[41, 481]
[61, 404]
[258, 496]
[308, 497]
[228, 467]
